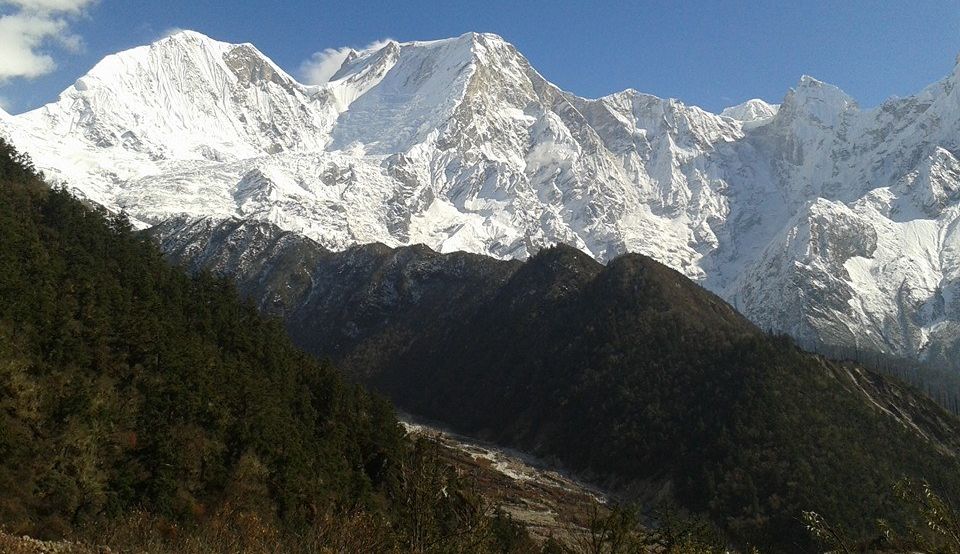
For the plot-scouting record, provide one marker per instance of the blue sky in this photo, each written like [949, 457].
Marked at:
[711, 54]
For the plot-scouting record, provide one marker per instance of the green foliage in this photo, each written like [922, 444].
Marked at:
[937, 527]
[155, 408]
[620, 532]
[16, 166]
[125, 383]
[933, 527]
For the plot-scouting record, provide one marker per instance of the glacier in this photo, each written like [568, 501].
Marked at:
[835, 224]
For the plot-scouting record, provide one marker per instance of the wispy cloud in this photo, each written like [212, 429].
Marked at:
[324, 64]
[170, 31]
[29, 28]
[62, 6]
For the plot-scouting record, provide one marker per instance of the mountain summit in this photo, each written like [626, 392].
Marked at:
[835, 223]
[751, 110]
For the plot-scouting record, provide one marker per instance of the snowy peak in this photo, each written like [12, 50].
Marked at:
[186, 96]
[643, 123]
[810, 88]
[817, 101]
[934, 184]
[188, 55]
[460, 144]
[251, 68]
[401, 93]
[360, 62]
[751, 110]
[405, 94]
[468, 49]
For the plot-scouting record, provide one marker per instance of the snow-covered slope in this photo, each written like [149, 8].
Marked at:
[751, 110]
[812, 216]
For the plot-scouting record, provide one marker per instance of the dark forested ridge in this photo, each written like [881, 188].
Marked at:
[141, 407]
[629, 373]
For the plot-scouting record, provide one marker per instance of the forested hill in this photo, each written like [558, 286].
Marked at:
[142, 407]
[629, 373]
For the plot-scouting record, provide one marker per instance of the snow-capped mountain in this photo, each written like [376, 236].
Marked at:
[813, 216]
[751, 110]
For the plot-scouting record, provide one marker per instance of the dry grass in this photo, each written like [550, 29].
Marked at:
[10, 544]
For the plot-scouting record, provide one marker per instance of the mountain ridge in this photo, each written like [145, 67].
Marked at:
[628, 373]
[461, 144]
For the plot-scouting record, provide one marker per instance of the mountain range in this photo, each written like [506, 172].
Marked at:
[814, 217]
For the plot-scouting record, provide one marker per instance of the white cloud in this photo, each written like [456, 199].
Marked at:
[29, 27]
[170, 31]
[49, 5]
[324, 64]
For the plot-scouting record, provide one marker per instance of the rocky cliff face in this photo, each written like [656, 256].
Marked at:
[816, 217]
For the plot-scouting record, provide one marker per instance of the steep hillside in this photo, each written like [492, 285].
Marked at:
[375, 299]
[628, 373]
[144, 408]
